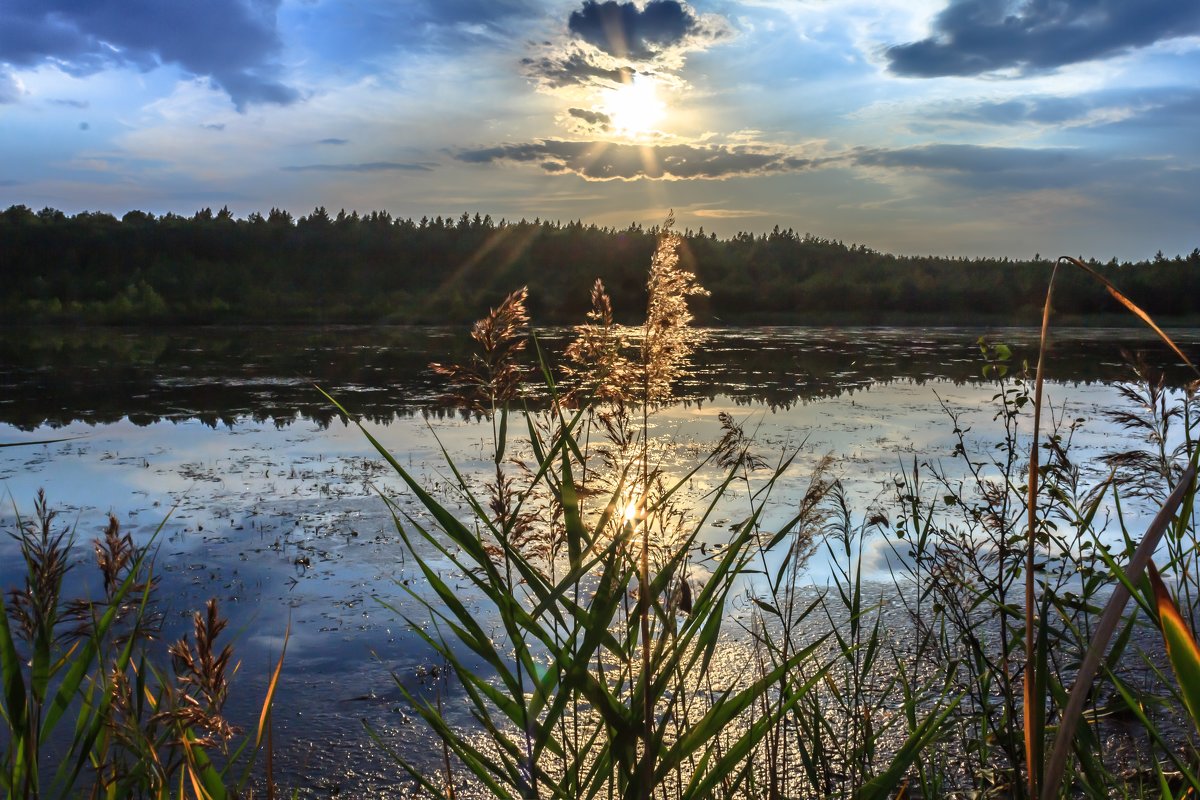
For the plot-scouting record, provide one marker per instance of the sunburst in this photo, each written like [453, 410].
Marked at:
[635, 108]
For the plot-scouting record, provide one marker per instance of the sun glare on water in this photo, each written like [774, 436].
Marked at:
[635, 108]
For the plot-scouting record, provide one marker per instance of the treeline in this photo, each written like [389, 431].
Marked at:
[213, 267]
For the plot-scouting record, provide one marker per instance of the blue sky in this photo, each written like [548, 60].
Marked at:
[961, 127]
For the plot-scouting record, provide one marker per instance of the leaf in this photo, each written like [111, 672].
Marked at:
[10, 673]
[765, 606]
[1182, 650]
[269, 699]
[1132, 307]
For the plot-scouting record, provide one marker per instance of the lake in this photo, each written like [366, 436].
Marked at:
[268, 499]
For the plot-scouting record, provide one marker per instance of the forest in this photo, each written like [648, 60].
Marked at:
[213, 267]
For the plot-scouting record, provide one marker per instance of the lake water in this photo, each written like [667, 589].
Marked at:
[270, 498]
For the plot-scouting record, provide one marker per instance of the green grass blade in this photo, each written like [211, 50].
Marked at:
[1182, 650]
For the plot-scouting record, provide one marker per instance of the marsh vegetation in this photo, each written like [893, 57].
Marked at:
[610, 616]
[605, 614]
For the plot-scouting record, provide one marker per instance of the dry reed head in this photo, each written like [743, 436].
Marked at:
[667, 341]
[496, 375]
[35, 608]
[114, 553]
[203, 684]
[602, 370]
[734, 447]
[117, 558]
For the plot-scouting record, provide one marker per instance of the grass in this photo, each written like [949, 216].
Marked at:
[602, 629]
[87, 710]
[609, 658]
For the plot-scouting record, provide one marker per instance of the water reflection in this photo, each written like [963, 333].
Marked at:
[275, 500]
[55, 377]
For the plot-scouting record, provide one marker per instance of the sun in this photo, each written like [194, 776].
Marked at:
[634, 108]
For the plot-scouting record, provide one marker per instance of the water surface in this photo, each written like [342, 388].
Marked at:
[268, 499]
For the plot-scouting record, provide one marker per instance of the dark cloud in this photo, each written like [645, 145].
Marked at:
[370, 166]
[971, 37]
[996, 168]
[572, 68]
[603, 161]
[1145, 109]
[626, 31]
[981, 169]
[612, 41]
[214, 126]
[83, 126]
[234, 43]
[596, 119]
[333, 141]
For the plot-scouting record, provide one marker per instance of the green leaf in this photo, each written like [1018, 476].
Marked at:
[1182, 650]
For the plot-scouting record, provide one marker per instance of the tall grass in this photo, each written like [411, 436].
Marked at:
[86, 709]
[606, 619]
[601, 646]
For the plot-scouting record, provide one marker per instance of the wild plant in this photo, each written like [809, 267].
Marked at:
[1029, 673]
[138, 730]
[600, 648]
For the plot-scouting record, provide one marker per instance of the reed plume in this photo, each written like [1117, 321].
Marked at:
[495, 376]
[597, 353]
[668, 341]
[200, 674]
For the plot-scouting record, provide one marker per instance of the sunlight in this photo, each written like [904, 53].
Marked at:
[632, 511]
[635, 107]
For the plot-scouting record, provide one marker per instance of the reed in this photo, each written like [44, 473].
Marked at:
[599, 648]
[602, 683]
[86, 709]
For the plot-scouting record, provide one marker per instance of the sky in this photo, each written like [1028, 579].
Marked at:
[949, 127]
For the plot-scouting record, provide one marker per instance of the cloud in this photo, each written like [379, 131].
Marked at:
[234, 43]
[594, 119]
[70, 103]
[83, 126]
[981, 167]
[604, 161]
[213, 126]
[972, 37]
[1159, 108]
[573, 67]
[10, 90]
[1125, 182]
[370, 166]
[333, 141]
[357, 35]
[728, 213]
[626, 31]
[612, 41]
